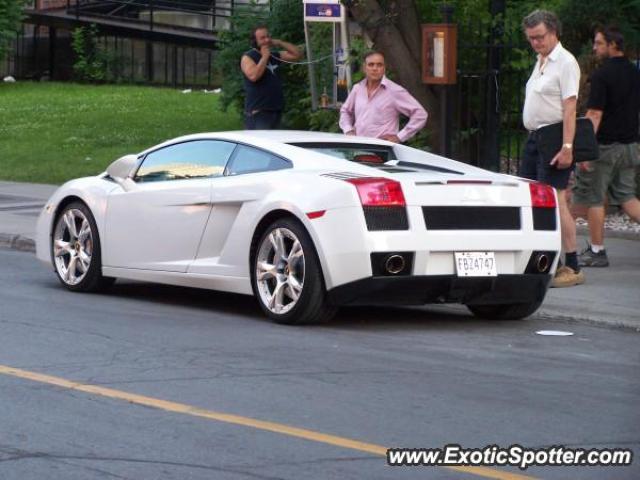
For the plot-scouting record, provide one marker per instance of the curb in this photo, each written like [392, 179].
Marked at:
[17, 242]
[626, 235]
[544, 314]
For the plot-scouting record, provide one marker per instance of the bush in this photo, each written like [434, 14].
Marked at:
[580, 17]
[10, 17]
[92, 64]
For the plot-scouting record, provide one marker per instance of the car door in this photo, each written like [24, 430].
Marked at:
[158, 224]
[236, 199]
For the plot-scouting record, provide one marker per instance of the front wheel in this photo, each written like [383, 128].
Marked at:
[286, 276]
[75, 250]
[514, 311]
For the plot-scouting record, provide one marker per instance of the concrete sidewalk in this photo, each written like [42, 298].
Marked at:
[610, 295]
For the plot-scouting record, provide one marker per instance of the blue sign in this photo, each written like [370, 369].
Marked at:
[322, 11]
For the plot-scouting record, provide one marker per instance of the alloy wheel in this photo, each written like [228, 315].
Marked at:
[72, 246]
[280, 270]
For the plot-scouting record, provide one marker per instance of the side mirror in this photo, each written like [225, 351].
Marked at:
[122, 168]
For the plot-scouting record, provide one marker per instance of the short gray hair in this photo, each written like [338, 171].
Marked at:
[549, 19]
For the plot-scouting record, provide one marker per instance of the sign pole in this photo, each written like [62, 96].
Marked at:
[312, 70]
[329, 11]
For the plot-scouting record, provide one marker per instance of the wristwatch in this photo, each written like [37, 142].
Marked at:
[568, 146]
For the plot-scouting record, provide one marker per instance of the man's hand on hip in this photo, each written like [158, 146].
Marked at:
[390, 138]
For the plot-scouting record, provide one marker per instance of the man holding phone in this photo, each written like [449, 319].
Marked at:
[264, 99]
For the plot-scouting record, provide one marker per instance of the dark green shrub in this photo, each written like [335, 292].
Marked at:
[10, 16]
[92, 61]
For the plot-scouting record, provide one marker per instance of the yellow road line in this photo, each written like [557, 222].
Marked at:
[236, 420]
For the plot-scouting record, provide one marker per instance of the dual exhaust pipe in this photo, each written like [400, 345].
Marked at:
[389, 264]
[394, 264]
[401, 263]
[540, 262]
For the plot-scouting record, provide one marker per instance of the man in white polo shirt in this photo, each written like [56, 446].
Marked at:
[551, 97]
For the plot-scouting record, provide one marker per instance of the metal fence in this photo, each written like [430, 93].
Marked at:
[140, 38]
[201, 15]
[493, 68]
[33, 55]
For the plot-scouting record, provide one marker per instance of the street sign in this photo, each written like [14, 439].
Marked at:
[323, 11]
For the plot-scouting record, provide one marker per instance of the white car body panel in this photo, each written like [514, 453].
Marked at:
[163, 232]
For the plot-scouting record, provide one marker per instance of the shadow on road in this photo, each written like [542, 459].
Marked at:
[362, 318]
[356, 318]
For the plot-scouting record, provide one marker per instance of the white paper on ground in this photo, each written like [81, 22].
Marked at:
[554, 333]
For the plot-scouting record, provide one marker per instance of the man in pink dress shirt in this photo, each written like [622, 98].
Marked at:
[375, 104]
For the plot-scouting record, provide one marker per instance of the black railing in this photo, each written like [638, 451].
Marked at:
[131, 10]
[492, 72]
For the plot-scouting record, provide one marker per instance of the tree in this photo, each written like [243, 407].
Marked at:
[10, 17]
[394, 27]
[580, 17]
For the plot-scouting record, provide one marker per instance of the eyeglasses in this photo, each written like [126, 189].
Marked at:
[537, 38]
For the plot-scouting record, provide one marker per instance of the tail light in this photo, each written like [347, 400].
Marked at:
[542, 195]
[543, 203]
[379, 192]
[382, 202]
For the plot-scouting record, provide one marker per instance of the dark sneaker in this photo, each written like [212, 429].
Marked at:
[589, 258]
[567, 277]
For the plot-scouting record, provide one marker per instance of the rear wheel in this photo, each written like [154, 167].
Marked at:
[75, 250]
[286, 276]
[514, 311]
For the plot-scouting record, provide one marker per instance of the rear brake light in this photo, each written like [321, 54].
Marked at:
[542, 195]
[379, 192]
[469, 182]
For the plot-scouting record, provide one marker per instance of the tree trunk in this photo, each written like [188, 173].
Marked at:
[396, 32]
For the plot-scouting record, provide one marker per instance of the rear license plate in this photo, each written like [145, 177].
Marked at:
[475, 264]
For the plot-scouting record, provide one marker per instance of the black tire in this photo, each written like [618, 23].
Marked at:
[514, 311]
[84, 274]
[311, 306]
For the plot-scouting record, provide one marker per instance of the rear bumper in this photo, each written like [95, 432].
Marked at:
[419, 290]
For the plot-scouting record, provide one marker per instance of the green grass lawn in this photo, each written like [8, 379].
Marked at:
[52, 132]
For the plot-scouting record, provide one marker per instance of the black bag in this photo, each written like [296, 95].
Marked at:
[585, 145]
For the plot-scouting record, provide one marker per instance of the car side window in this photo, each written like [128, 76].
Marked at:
[250, 160]
[194, 159]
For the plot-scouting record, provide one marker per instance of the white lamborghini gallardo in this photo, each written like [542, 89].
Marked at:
[307, 222]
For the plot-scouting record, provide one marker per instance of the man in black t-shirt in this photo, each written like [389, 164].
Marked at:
[613, 106]
[264, 99]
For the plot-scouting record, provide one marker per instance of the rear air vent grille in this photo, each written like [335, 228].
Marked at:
[386, 218]
[472, 218]
[544, 218]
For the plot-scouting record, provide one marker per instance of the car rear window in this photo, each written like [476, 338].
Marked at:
[353, 152]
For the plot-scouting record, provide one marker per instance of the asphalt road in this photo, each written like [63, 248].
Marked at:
[404, 377]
